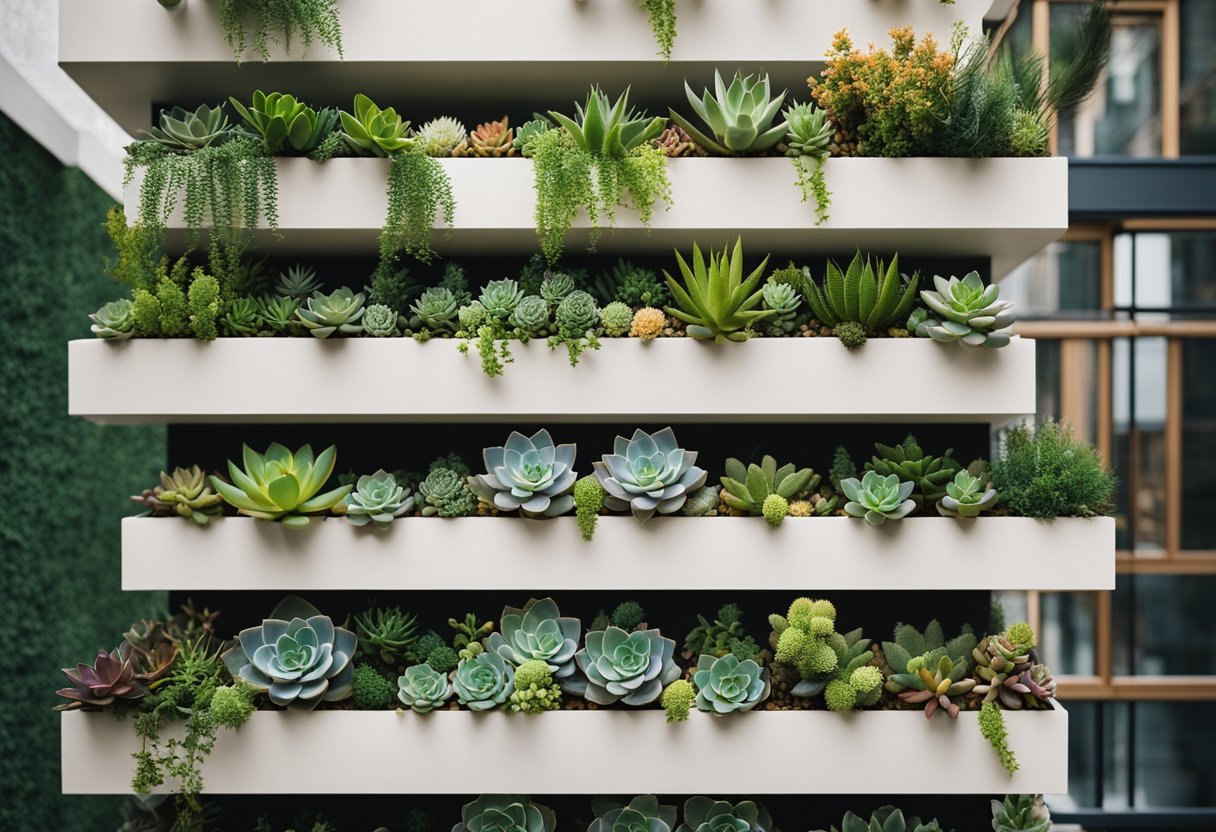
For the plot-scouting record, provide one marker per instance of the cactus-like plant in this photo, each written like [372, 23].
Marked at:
[704, 814]
[371, 131]
[805, 640]
[484, 681]
[966, 311]
[966, 496]
[741, 117]
[630, 667]
[377, 499]
[642, 813]
[281, 485]
[528, 474]
[185, 131]
[423, 689]
[505, 813]
[748, 489]
[603, 127]
[648, 474]
[1021, 813]
[538, 632]
[282, 121]
[877, 498]
[278, 314]
[725, 685]
[114, 321]
[339, 311]
[908, 461]
[440, 136]
[714, 300]
[185, 493]
[297, 656]
[872, 298]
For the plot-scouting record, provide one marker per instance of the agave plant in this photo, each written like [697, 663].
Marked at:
[339, 311]
[185, 130]
[283, 121]
[966, 496]
[280, 485]
[741, 117]
[102, 684]
[648, 474]
[185, 493]
[725, 685]
[539, 632]
[885, 819]
[1021, 813]
[877, 498]
[704, 814]
[298, 282]
[373, 131]
[642, 814]
[377, 499]
[297, 656]
[630, 667]
[115, 321]
[606, 128]
[908, 461]
[484, 681]
[423, 689]
[505, 813]
[966, 311]
[528, 474]
[753, 489]
[871, 298]
[715, 301]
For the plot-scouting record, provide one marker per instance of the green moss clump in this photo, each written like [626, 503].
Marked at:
[443, 659]
[775, 508]
[371, 690]
[628, 615]
[616, 318]
[1022, 636]
[992, 726]
[232, 705]
[1046, 473]
[535, 690]
[677, 700]
[588, 501]
[851, 334]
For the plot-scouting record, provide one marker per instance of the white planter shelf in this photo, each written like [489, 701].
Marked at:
[380, 752]
[528, 54]
[768, 380]
[1003, 209]
[719, 553]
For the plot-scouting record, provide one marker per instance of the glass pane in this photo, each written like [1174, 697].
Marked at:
[1159, 623]
[1139, 374]
[1198, 77]
[1067, 632]
[1123, 116]
[1166, 271]
[1198, 444]
[1047, 378]
[1064, 279]
[1084, 763]
[1173, 742]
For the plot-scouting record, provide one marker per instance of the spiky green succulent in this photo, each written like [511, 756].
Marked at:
[968, 312]
[885, 819]
[648, 474]
[531, 317]
[377, 499]
[298, 282]
[185, 130]
[877, 498]
[505, 813]
[714, 300]
[278, 314]
[810, 132]
[339, 311]
[446, 494]
[243, 318]
[616, 318]
[872, 298]
[530, 475]
[388, 633]
[908, 461]
[379, 321]
[1021, 813]
[440, 136]
[704, 814]
[114, 321]
[747, 489]
[966, 496]
[370, 130]
[184, 493]
[423, 689]
[436, 309]
[603, 127]
[927, 669]
[629, 667]
[281, 485]
[283, 122]
[726, 685]
[741, 118]
[784, 299]
[483, 682]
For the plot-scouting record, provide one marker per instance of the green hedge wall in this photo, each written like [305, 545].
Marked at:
[65, 482]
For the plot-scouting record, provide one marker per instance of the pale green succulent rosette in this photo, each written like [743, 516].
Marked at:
[539, 632]
[339, 311]
[423, 689]
[483, 682]
[727, 685]
[643, 814]
[505, 813]
[280, 485]
[630, 667]
[377, 499]
[966, 496]
[741, 117]
[704, 814]
[877, 498]
[648, 474]
[529, 475]
[968, 312]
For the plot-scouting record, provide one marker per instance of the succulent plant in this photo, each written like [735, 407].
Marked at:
[725, 634]
[588, 500]
[531, 317]
[373, 131]
[1021, 813]
[877, 498]
[934, 685]
[500, 297]
[908, 461]
[297, 656]
[784, 300]
[423, 689]
[616, 318]
[715, 301]
[606, 128]
[810, 132]
[747, 489]
[630, 667]
[371, 690]
[726, 685]
[701, 501]
[446, 494]
[642, 814]
[386, 632]
[648, 474]
[492, 139]
[885, 819]
[440, 136]
[535, 690]
[280, 485]
[577, 314]
[925, 668]
[278, 314]
[674, 143]
[538, 632]
[185, 493]
[805, 640]
[528, 474]
[704, 814]
[184, 130]
[555, 286]
[505, 813]
[484, 681]
[379, 321]
[115, 321]
[1008, 673]
[436, 309]
[860, 688]
[339, 311]
[282, 121]
[966, 496]
[528, 131]
[648, 323]
[741, 117]
[966, 311]
[298, 282]
[243, 318]
[377, 499]
[872, 298]
[101, 685]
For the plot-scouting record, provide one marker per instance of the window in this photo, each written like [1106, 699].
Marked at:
[1198, 78]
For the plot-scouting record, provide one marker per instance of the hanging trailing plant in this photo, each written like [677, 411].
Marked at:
[591, 162]
[810, 134]
[280, 21]
[662, 15]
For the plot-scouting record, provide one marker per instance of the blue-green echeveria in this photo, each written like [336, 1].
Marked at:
[539, 632]
[528, 474]
[483, 682]
[704, 814]
[726, 685]
[630, 667]
[505, 813]
[648, 474]
[377, 499]
[877, 498]
[423, 689]
[643, 814]
[297, 656]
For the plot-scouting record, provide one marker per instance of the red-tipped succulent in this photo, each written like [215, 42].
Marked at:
[110, 678]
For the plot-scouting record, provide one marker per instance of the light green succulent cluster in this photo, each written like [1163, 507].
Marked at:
[576, 319]
[810, 131]
[861, 299]
[370, 130]
[283, 122]
[926, 669]
[603, 127]
[483, 682]
[280, 485]
[505, 813]
[531, 317]
[714, 299]
[1021, 813]
[185, 131]
[423, 689]
[538, 632]
[784, 299]
[629, 667]
[877, 498]
[741, 117]
[377, 499]
[380, 321]
[339, 311]
[966, 496]
[678, 699]
[588, 500]
[704, 814]
[446, 494]
[535, 690]
[616, 318]
[765, 489]
[726, 685]
[805, 640]
[184, 493]
[648, 474]
[436, 309]
[885, 819]
[115, 321]
[440, 136]
[968, 312]
[908, 461]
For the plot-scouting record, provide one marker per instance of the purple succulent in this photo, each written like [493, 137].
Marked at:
[111, 677]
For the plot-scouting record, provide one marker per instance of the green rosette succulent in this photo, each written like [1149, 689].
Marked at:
[370, 130]
[243, 318]
[726, 685]
[704, 814]
[877, 498]
[630, 667]
[436, 309]
[531, 317]
[183, 130]
[377, 499]
[539, 632]
[115, 321]
[603, 127]
[642, 814]
[784, 300]
[297, 656]
[577, 314]
[885, 819]
[500, 297]
[339, 311]
[1021, 813]
[282, 121]
[280, 485]
[528, 474]
[748, 489]
[966, 496]
[648, 474]
[616, 319]
[555, 286]
[446, 494]
[440, 136]
[380, 321]
[810, 132]
[423, 689]
[505, 813]
[184, 493]
[484, 681]
[741, 117]
[528, 131]
[968, 312]
[928, 474]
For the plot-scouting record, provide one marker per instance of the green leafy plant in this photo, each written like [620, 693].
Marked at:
[727, 685]
[1045, 472]
[370, 689]
[927, 669]
[992, 727]
[966, 311]
[714, 300]
[115, 321]
[535, 690]
[966, 496]
[662, 15]
[184, 493]
[704, 814]
[340, 311]
[387, 633]
[878, 498]
[630, 667]
[377, 499]
[725, 634]
[280, 485]
[483, 682]
[282, 122]
[298, 282]
[1021, 813]
[928, 474]
[423, 689]
[871, 299]
[741, 118]
[648, 474]
[280, 21]
[809, 138]
[753, 489]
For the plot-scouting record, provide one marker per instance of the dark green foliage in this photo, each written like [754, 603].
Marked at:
[54, 248]
[426, 644]
[1047, 473]
[532, 274]
[628, 615]
[842, 468]
[279, 21]
[371, 690]
[418, 190]
[386, 633]
[442, 659]
[452, 462]
[725, 634]
[138, 263]
[631, 285]
[662, 14]
[203, 303]
[393, 287]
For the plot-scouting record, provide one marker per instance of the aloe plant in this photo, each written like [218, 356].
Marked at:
[873, 298]
[283, 121]
[714, 299]
[741, 117]
[603, 127]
